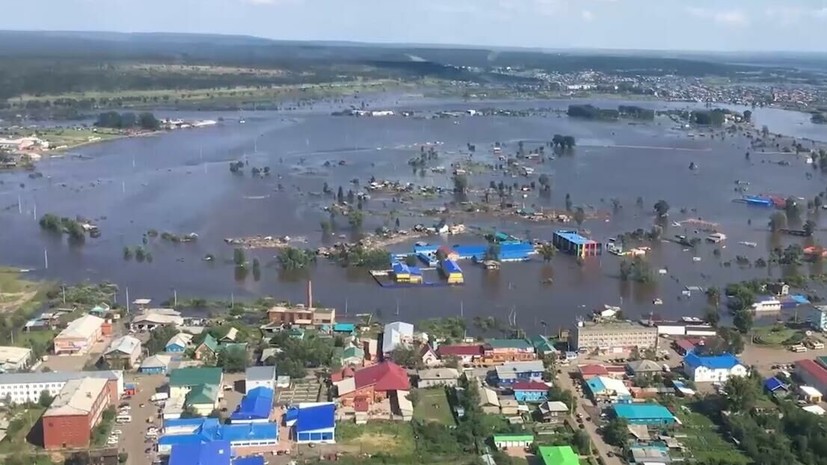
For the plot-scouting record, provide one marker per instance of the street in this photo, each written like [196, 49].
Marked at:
[566, 382]
[133, 438]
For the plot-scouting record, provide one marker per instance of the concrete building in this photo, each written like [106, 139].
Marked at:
[817, 317]
[79, 337]
[263, 376]
[301, 316]
[438, 377]
[123, 352]
[573, 243]
[396, 334]
[709, 368]
[75, 411]
[26, 387]
[654, 415]
[612, 336]
[465, 354]
[14, 358]
[506, 441]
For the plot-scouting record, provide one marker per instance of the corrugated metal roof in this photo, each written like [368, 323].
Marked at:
[212, 453]
[256, 404]
[125, 345]
[316, 417]
[55, 377]
[82, 328]
[77, 397]
[713, 362]
[193, 376]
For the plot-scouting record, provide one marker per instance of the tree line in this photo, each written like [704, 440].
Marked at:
[112, 119]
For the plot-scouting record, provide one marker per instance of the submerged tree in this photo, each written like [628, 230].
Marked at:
[661, 208]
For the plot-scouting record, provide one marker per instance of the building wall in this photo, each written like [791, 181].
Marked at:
[811, 380]
[705, 375]
[522, 376]
[66, 432]
[204, 409]
[174, 348]
[818, 319]
[614, 336]
[325, 436]
[250, 385]
[426, 383]
[498, 356]
[368, 391]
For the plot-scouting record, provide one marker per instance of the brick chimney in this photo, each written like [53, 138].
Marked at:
[309, 294]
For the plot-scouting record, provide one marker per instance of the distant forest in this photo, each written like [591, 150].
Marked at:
[47, 63]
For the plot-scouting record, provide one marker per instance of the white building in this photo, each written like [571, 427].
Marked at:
[126, 349]
[767, 305]
[26, 387]
[438, 377]
[396, 334]
[712, 368]
[153, 318]
[817, 317]
[263, 376]
[14, 358]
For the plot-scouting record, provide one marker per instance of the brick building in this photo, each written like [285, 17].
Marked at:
[77, 409]
[372, 384]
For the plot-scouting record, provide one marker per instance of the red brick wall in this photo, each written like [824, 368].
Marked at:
[66, 432]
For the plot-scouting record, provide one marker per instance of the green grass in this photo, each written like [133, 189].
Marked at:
[773, 335]
[387, 437]
[21, 422]
[705, 443]
[433, 406]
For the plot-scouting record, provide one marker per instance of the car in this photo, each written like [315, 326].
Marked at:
[581, 426]
[610, 454]
[117, 432]
[142, 405]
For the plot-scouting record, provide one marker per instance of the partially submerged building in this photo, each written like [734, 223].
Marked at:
[571, 242]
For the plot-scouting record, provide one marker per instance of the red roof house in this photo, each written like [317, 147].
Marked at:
[590, 371]
[529, 386]
[467, 354]
[374, 383]
[812, 373]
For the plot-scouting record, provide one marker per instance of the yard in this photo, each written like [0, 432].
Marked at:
[386, 437]
[433, 405]
[776, 335]
[704, 441]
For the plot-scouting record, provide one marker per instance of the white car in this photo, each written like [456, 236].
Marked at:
[117, 432]
[112, 441]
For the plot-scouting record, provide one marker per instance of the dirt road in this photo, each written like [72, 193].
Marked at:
[603, 449]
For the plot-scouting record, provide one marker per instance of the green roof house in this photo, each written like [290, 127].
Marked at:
[352, 356]
[191, 377]
[542, 345]
[199, 386]
[558, 455]
[207, 349]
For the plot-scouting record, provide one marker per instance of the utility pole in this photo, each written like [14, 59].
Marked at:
[63, 290]
[127, 300]
[46, 259]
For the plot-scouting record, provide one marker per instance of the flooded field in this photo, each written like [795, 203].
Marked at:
[180, 182]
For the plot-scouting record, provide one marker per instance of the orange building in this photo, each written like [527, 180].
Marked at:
[372, 384]
[499, 351]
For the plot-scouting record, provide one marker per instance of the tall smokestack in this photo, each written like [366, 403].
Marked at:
[309, 294]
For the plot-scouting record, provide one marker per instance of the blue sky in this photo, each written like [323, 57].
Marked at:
[729, 25]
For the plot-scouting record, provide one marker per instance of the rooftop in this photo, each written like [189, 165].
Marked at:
[14, 355]
[513, 437]
[55, 376]
[316, 417]
[203, 394]
[573, 237]
[77, 397]
[712, 362]
[125, 345]
[260, 373]
[643, 412]
[180, 339]
[196, 453]
[256, 404]
[529, 386]
[459, 350]
[386, 376]
[194, 376]
[83, 327]
[510, 369]
[558, 455]
[521, 344]
[156, 361]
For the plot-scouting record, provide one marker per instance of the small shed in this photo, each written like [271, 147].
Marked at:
[154, 365]
[505, 441]
[810, 394]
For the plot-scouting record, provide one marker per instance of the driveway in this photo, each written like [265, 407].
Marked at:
[603, 449]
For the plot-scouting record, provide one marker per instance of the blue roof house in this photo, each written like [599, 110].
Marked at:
[512, 372]
[712, 368]
[255, 406]
[645, 414]
[776, 387]
[209, 430]
[315, 423]
[213, 453]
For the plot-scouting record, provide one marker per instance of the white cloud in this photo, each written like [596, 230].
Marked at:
[587, 15]
[726, 17]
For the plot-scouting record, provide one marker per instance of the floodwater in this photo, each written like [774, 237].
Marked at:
[180, 182]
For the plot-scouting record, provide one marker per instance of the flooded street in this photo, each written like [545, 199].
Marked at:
[180, 182]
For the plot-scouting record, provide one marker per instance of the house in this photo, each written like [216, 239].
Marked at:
[315, 423]
[558, 455]
[199, 386]
[123, 352]
[244, 438]
[509, 407]
[155, 364]
[301, 316]
[530, 391]
[511, 372]
[437, 377]
[100, 310]
[684, 346]
[261, 376]
[352, 355]
[152, 318]
[231, 336]
[542, 345]
[810, 394]
[208, 348]
[605, 389]
[776, 387]
[778, 289]
[75, 412]
[489, 402]
[497, 351]
[79, 336]
[344, 328]
[178, 343]
[255, 406]
[812, 373]
[589, 371]
[649, 454]
[428, 356]
[465, 354]
[268, 355]
[396, 334]
[506, 441]
[643, 368]
[654, 415]
[553, 411]
[372, 384]
[708, 368]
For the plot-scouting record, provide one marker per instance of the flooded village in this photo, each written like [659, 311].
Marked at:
[467, 202]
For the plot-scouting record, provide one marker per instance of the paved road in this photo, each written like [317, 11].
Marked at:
[133, 440]
[603, 449]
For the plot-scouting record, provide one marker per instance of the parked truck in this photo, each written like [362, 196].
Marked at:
[159, 396]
